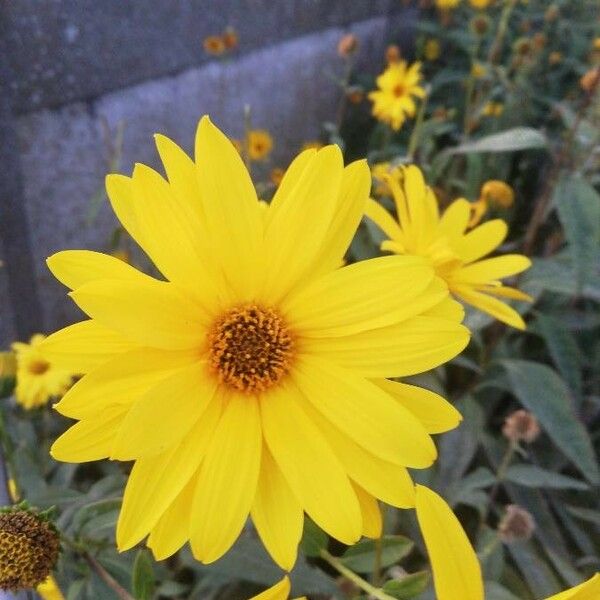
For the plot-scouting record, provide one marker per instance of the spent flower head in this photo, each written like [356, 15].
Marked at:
[517, 525]
[521, 426]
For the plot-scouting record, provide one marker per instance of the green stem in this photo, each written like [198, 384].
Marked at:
[415, 135]
[496, 46]
[354, 578]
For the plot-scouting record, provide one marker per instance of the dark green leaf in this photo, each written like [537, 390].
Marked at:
[142, 577]
[536, 477]
[511, 140]
[361, 556]
[408, 586]
[314, 539]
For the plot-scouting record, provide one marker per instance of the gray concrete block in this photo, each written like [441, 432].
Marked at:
[63, 156]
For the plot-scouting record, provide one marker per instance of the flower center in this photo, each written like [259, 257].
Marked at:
[38, 367]
[398, 91]
[251, 348]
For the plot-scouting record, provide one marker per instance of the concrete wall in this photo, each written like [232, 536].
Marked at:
[70, 68]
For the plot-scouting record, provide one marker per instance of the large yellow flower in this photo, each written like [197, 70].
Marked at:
[456, 570]
[252, 380]
[38, 377]
[393, 101]
[454, 253]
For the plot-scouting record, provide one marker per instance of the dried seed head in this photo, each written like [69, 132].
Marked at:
[521, 426]
[517, 525]
[347, 45]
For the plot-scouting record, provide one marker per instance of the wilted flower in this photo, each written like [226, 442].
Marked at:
[552, 13]
[497, 193]
[590, 79]
[555, 58]
[260, 144]
[539, 40]
[355, 95]
[276, 176]
[480, 24]
[215, 45]
[230, 38]
[347, 45]
[523, 47]
[521, 426]
[392, 54]
[432, 49]
[517, 525]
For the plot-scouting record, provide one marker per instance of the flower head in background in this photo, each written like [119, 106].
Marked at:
[521, 426]
[260, 144]
[252, 380]
[517, 525]
[456, 570]
[398, 85]
[432, 50]
[480, 4]
[347, 45]
[214, 45]
[447, 4]
[38, 378]
[456, 255]
[280, 591]
[493, 109]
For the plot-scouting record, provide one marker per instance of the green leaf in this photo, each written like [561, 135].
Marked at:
[545, 394]
[314, 539]
[511, 140]
[585, 514]
[142, 577]
[578, 206]
[495, 591]
[408, 586]
[361, 556]
[536, 477]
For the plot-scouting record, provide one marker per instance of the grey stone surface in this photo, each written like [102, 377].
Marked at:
[68, 50]
[63, 157]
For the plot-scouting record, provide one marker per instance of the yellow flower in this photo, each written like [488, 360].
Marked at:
[260, 144]
[393, 101]
[447, 4]
[493, 109]
[479, 4]
[215, 45]
[252, 380]
[456, 570]
[38, 377]
[455, 255]
[478, 70]
[596, 43]
[280, 591]
[49, 590]
[432, 50]
[555, 58]
[498, 193]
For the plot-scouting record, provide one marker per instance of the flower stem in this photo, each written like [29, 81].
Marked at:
[415, 135]
[354, 578]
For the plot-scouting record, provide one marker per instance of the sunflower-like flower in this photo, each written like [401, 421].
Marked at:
[38, 378]
[456, 570]
[393, 101]
[454, 253]
[252, 380]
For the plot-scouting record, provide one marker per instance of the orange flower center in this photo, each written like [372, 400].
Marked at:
[251, 348]
[398, 91]
[38, 367]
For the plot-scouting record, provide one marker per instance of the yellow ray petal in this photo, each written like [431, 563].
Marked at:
[384, 220]
[74, 268]
[299, 225]
[455, 218]
[290, 179]
[340, 303]
[481, 240]
[588, 590]
[371, 513]
[90, 439]
[505, 292]
[312, 471]
[81, 347]
[129, 307]
[456, 570]
[490, 305]
[410, 347]
[227, 482]
[277, 514]
[448, 309]
[234, 221]
[493, 268]
[280, 591]
[155, 481]
[172, 530]
[163, 415]
[434, 413]
[121, 380]
[365, 413]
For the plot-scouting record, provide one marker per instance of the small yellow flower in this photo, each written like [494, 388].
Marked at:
[478, 70]
[280, 591]
[596, 43]
[432, 50]
[393, 100]
[590, 80]
[555, 58]
[312, 145]
[447, 4]
[456, 255]
[480, 4]
[230, 38]
[493, 109]
[49, 590]
[215, 45]
[498, 193]
[38, 379]
[260, 144]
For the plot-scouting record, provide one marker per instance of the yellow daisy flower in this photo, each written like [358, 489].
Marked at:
[393, 101]
[260, 144]
[456, 255]
[456, 570]
[280, 591]
[38, 377]
[252, 380]
[447, 4]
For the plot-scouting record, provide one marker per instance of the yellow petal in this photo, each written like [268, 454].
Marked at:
[455, 218]
[155, 481]
[161, 417]
[73, 268]
[407, 348]
[382, 218]
[434, 413]
[371, 513]
[227, 482]
[171, 531]
[481, 240]
[129, 308]
[280, 591]
[290, 179]
[233, 216]
[121, 380]
[299, 225]
[81, 347]
[505, 292]
[365, 413]
[490, 305]
[312, 471]
[493, 268]
[364, 295]
[588, 590]
[277, 514]
[448, 309]
[456, 570]
[90, 439]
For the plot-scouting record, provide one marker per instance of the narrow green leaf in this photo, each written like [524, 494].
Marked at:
[314, 539]
[511, 140]
[536, 477]
[407, 587]
[142, 577]
[545, 394]
[361, 556]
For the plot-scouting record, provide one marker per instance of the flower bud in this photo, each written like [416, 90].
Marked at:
[392, 54]
[347, 45]
[497, 192]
